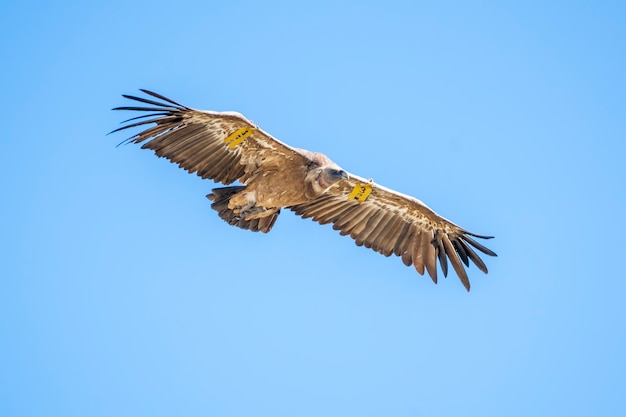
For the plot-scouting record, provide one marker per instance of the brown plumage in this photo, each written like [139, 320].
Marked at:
[226, 147]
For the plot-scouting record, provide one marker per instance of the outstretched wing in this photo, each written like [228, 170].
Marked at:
[222, 146]
[392, 223]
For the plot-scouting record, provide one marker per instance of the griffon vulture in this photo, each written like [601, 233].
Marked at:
[226, 147]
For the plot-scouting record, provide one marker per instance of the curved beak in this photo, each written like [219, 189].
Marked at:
[341, 174]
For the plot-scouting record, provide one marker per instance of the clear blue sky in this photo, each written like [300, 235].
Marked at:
[123, 293]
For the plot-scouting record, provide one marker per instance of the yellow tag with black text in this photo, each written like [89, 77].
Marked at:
[360, 192]
[238, 136]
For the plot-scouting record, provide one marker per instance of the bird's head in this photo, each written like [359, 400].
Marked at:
[330, 175]
[322, 173]
[321, 179]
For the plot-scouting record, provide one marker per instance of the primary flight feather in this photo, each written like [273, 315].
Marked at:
[226, 147]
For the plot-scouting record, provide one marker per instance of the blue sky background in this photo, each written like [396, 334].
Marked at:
[124, 294]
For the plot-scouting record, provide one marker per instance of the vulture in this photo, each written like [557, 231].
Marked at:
[270, 175]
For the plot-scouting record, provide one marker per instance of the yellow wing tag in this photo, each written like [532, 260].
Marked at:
[360, 192]
[238, 136]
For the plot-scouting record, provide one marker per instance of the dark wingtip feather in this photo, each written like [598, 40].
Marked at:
[152, 102]
[452, 253]
[478, 246]
[143, 116]
[479, 236]
[473, 256]
[135, 108]
[460, 251]
[159, 96]
[443, 260]
[144, 122]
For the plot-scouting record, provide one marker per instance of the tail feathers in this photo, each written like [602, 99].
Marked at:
[221, 197]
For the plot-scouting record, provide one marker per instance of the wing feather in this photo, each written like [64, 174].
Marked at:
[460, 251]
[160, 97]
[386, 240]
[473, 256]
[429, 253]
[361, 226]
[312, 208]
[177, 141]
[155, 103]
[353, 216]
[325, 213]
[377, 237]
[332, 214]
[418, 247]
[441, 254]
[368, 228]
[388, 237]
[180, 137]
[455, 261]
[478, 246]
[401, 241]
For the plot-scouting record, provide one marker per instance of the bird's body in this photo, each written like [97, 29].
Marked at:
[226, 147]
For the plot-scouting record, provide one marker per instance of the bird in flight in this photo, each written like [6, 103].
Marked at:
[227, 148]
